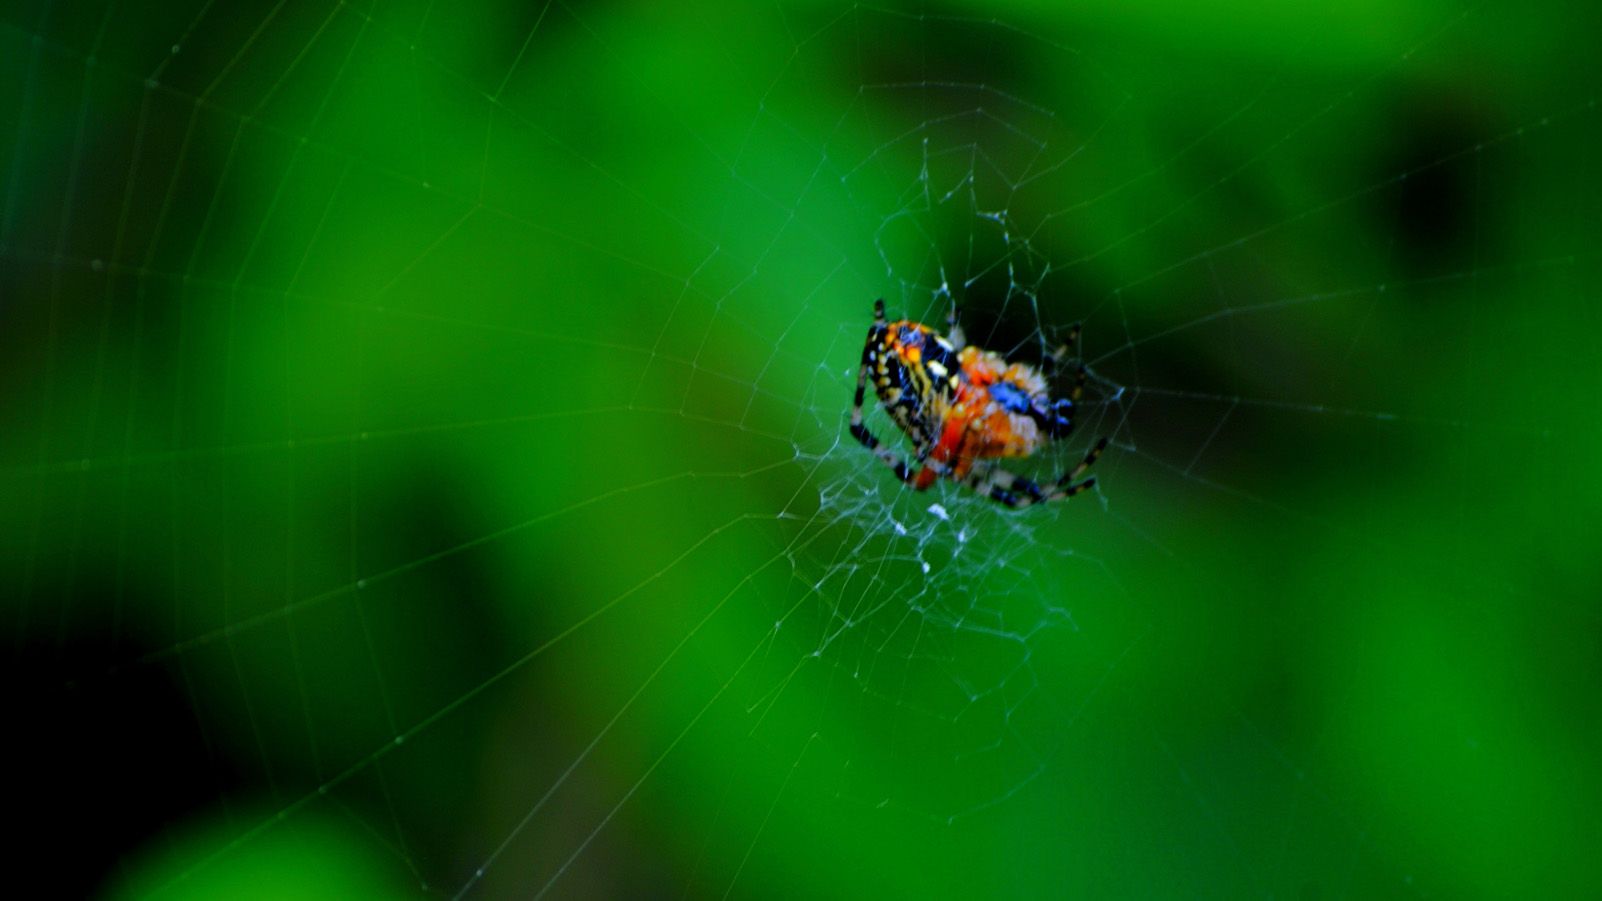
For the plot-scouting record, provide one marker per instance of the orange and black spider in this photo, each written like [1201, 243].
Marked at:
[964, 407]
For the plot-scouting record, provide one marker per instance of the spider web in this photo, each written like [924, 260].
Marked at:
[433, 454]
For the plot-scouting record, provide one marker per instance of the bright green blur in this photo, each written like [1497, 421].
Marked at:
[318, 859]
[443, 404]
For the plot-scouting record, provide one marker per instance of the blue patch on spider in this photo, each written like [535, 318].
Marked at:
[1010, 397]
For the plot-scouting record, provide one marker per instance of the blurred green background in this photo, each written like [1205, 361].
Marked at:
[423, 467]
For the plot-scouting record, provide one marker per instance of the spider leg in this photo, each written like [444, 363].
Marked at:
[1015, 491]
[1063, 352]
[1004, 487]
[1091, 457]
[954, 329]
[860, 431]
[1078, 389]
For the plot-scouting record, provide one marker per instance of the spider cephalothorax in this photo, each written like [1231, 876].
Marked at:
[964, 407]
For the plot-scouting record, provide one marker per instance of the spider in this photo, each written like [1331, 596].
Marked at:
[964, 407]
